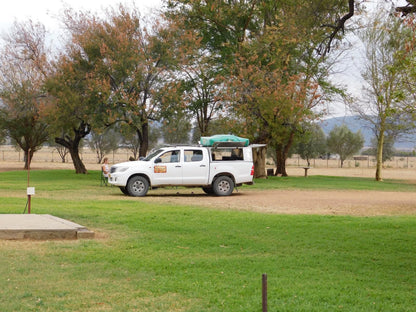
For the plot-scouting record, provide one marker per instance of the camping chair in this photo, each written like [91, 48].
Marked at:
[103, 179]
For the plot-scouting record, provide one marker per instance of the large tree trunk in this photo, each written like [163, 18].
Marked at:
[282, 153]
[28, 157]
[76, 160]
[73, 146]
[280, 163]
[259, 160]
[203, 120]
[143, 135]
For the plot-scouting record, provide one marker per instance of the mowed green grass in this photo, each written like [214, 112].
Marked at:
[154, 257]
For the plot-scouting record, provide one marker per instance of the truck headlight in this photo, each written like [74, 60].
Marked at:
[118, 169]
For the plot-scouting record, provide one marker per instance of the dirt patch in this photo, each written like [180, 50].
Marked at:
[357, 203]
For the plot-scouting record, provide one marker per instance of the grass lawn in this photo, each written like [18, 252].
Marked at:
[153, 257]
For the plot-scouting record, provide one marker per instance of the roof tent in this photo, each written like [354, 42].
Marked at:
[224, 140]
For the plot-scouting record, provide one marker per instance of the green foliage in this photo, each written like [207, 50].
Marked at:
[267, 53]
[387, 43]
[223, 125]
[114, 70]
[224, 25]
[344, 142]
[23, 70]
[2, 134]
[388, 148]
[201, 91]
[152, 257]
[176, 129]
[312, 142]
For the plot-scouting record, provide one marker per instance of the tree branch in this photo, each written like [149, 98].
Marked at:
[410, 8]
[326, 45]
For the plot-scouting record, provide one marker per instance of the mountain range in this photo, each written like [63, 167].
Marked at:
[354, 123]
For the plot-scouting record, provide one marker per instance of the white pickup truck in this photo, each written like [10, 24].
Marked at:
[216, 169]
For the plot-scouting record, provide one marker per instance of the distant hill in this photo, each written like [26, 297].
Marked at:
[354, 123]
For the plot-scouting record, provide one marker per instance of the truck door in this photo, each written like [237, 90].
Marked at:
[195, 166]
[167, 168]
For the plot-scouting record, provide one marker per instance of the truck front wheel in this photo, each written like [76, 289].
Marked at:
[137, 186]
[208, 190]
[124, 190]
[223, 186]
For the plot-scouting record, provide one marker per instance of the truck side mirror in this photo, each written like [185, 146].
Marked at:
[158, 160]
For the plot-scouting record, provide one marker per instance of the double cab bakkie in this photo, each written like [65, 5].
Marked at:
[216, 169]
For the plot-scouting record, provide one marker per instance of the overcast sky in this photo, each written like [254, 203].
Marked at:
[47, 11]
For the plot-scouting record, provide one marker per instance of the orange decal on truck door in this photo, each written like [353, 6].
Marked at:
[160, 169]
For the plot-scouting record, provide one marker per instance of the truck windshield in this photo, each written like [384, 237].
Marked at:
[150, 156]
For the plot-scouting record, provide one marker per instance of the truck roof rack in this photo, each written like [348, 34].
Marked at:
[228, 144]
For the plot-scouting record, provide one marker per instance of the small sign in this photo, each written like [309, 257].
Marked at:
[30, 191]
[160, 169]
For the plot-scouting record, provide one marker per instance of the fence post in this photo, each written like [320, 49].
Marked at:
[264, 292]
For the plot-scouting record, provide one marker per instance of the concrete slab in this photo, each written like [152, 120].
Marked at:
[41, 227]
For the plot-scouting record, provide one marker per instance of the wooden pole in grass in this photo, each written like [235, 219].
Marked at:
[264, 292]
[28, 182]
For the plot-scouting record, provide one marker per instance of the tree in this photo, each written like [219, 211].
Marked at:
[388, 148]
[134, 60]
[201, 84]
[312, 142]
[176, 129]
[267, 51]
[223, 25]
[279, 90]
[343, 142]
[130, 140]
[112, 71]
[338, 25]
[24, 66]
[76, 105]
[62, 152]
[386, 108]
[104, 143]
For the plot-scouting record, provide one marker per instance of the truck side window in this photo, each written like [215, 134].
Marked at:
[193, 155]
[227, 154]
[237, 154]
[170, 157]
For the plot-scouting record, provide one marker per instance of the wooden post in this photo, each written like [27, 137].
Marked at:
[29, 198]
[264, 292]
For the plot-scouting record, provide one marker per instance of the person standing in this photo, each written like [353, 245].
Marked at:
[105, 169]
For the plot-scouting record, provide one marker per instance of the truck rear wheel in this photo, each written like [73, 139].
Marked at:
[137, 186]
[223, 186]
